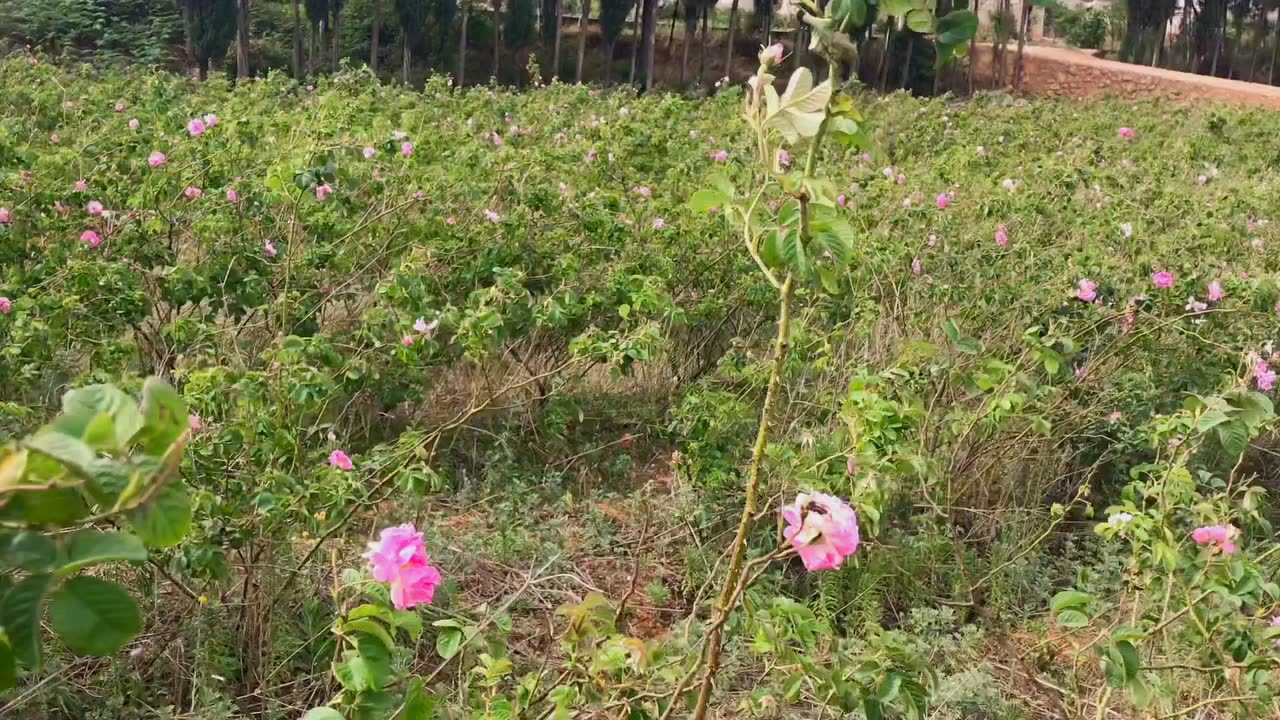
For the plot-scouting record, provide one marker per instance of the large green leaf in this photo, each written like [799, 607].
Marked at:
[165, 417]
[20, 617]
[921, 21]
[94, 616]
[90, 547]
[72, 452]
[957, 26]
[88, 402]
[165, 519]
[322, 713]
[31, 551]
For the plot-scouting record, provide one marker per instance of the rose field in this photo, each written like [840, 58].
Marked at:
[353, 401]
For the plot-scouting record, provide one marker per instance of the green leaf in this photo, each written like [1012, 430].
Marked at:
[165, 520]
[94, 399]
[418, 704]
[91, 547]
[956, 27]
[1129, 654]
[322, 713]
[872, 709]
[165, 417]
[70, 451]
[31, 551]
[920, 21]
[20, 616]
[369, 626]
[94, 616]
[887, 691]
[448, 642]
[1069, 599]
[895, 8]
[849, 13]
[1072, 619]
[409, 622]
[8, 665]
[705, 200]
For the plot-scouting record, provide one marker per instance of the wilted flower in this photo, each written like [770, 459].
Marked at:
[1162, 279]
[659, 223]
[368, 153]
[1220, 536]
[492, 216]
[401, 135]
[157, 159]
[399, 558]
[1115, 416]
[81, 185]
[192, 192]
[1127, 133]
[771, 55]
[134, 124]
[195, 127]
[823, 530]
[94, 208]
[1195, 306]
[91, 238]
[323, 191]
[1087, 290]
[901, 179]
[1002, 235]
[340, 460]
[269, 249]
[1215, 291]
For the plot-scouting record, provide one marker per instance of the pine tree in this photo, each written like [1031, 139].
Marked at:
[210, 26]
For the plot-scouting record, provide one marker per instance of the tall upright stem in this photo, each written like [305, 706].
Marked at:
[711, 652]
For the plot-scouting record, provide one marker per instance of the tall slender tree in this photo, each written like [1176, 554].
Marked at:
[375, 36]
[584, 25]
[412, 15]
[692, 11]
[242, 39]
[635, 45]
[729, 40]
[519, 32]
[210, 26]
[648, 38]
[299, 71]
[613, 18]
[335, 8]
[462, 43]
[317, 16]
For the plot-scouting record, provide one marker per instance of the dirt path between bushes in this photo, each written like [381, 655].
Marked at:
[1065, 72]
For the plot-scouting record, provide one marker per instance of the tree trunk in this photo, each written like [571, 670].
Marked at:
[373, 38]
[1217, 49]
[906, 62]
[462, 48]
[337, 35]
[188, 31]
[497, 39]
[635, 42]
[882, 73]
[973, 48]
[648, 39]
[671, 32]
[689, 32]
[1024, 26]
[202, 69]
[608, 62]
[768, 24]
[584, 24]
[311, 47]
[242, 39]
[1275, 55]
[555, 55]
[406, 58]
[728, 49]
[298, 70]
[702, 52]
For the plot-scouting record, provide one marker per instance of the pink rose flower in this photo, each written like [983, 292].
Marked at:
[1216, 292]
[192, 193]
[1087, 290]
[1127, 133]
[406, 148]
[720, 156]
[771, 55]
[340, 460]
[195, 127]
[399, 558]
[823, 530]
[210, 120]
[157, 159]
[1002, 235]
[91, 238]
[323, 191]
[94, 208]
[1264, 376]
[81, 185]
[1162, 279]
[5, 216]
[6, 305]
[842, 200]
[233, 197]
[1220, 536]
[942, 201]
